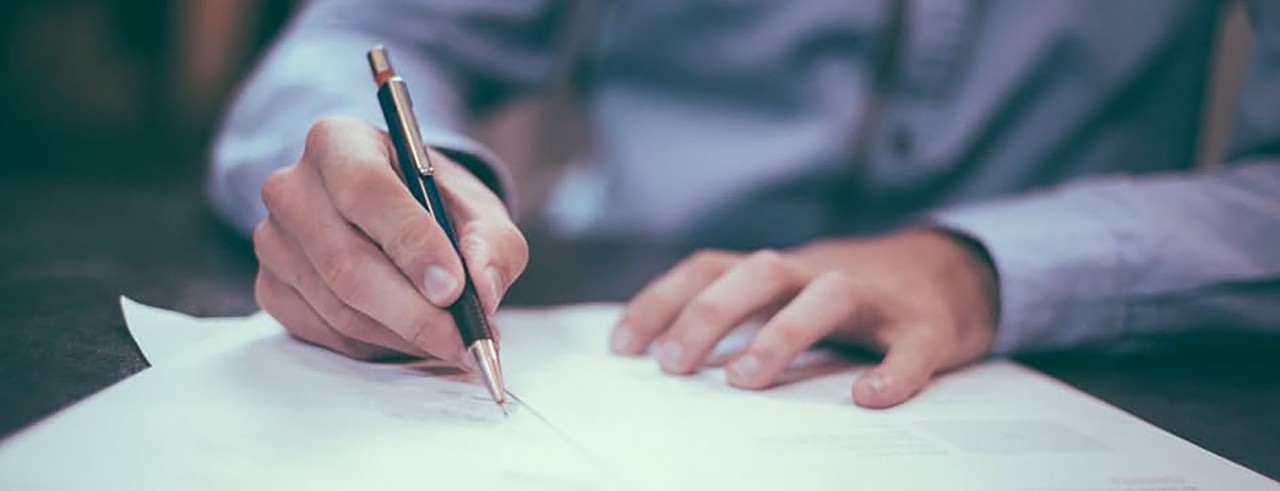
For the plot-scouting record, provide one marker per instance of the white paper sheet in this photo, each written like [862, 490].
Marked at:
[251, 408]
[163, 335]
[993, 426]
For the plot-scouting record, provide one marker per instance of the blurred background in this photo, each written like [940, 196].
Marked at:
[117, 90]
[108, 107]
[110, 89]
[105, 111]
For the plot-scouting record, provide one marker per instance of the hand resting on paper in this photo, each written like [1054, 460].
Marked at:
[924, 299]
[349, 261]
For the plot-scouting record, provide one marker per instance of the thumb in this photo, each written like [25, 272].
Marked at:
[905, 370]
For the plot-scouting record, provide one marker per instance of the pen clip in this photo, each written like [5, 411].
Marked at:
[402, 108]
[396, 102]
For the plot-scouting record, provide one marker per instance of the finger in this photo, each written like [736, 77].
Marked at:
[354, 164]
[353, 268]
[495, 251]
[827, 303]
[466, 196]
[658, 304]
[285, 260]
[287, 306]
[905, 370]
[755, 284]
[496, 254]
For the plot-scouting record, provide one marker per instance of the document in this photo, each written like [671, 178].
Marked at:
[993, 426]
[249, 407]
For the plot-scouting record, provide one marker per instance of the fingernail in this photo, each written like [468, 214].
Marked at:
[876, 383]
[669, 355]
[745, 368]
[438, 284]
[622, 338]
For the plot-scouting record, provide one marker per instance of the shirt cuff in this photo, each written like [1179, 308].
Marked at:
[1060, 268]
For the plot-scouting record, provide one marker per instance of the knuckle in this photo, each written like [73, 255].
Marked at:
[840, 288]
[471, 231]
[325, 128]
[767, 262]
[707, 256]
[705, 312]
[514, 247]
[789, 333]
[261, 293]
[260, 232]
[641, 324]
[770, 352]
[475, 248]
[357, 180]
[882, 339]
[707, 262]
[666, 297]
[839, 282]
[474, 235]
[261, 241]
[501, 245]
[275, 188]
[639, 316]
[509, 238]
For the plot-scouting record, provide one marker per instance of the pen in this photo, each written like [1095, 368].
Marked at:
[418, 173]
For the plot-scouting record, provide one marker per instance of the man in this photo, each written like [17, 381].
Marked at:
[1023, 164]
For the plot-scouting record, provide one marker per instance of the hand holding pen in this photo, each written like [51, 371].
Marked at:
[349, 260]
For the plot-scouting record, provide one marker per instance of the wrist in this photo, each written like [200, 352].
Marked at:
[977, 268]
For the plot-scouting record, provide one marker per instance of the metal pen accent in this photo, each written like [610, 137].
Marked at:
[418, 173]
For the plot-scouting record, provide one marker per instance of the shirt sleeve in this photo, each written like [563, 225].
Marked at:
[459, 59]
[1112, 261]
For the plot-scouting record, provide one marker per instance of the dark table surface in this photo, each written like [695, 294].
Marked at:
[70, 248]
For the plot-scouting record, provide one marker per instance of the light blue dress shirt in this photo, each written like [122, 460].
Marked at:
[1058, 134]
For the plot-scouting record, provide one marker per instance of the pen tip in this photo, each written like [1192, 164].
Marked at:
[503, 407]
